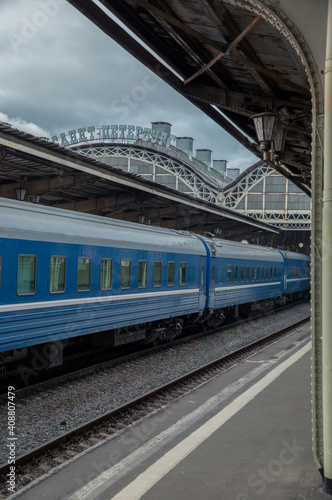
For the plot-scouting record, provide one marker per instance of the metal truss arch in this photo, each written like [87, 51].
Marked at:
[255, 192]
[137, 156]
[238, 189]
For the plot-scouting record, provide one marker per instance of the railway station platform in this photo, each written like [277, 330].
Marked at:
[244, 435]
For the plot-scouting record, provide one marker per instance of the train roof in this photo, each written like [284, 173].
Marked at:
[237, 250]
[295, 255]
[22, 220]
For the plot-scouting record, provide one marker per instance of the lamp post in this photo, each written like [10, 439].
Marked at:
[265, 125]
[20, 194]
[279, 142]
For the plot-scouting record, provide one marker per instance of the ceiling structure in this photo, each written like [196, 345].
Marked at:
[56, 176]
[224, 58]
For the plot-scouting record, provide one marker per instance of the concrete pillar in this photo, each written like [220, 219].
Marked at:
[327, 263]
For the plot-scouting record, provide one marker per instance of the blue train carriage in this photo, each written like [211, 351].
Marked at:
[67, 275]
[244, 278]
[297, 274]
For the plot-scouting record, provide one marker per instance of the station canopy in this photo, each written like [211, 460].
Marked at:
[231, 62]
[40, 171]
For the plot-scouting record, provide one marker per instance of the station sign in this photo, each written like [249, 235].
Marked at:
[121, 133]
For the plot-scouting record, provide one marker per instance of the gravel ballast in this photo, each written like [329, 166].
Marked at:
[45, 415]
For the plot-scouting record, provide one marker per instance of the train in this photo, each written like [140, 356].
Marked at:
[68, 277]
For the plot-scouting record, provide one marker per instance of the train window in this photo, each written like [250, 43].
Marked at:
[0, 270]
[106, 274]
[183, 273]
[291, 272]
[142, 273]
[171, 273]
[83, 274]
[275, 273]
[266, 273]
[213, 275]
[258, 273]
[271, 273]
[252, 273]
[125, 271]
[262, 273]
[241, 273]
[26, 275]
[236, 273]
[157, 274]
[57, 274]
[202, 275]
[248, 273]
[229, 273]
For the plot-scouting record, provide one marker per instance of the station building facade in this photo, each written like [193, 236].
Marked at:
[159, 156]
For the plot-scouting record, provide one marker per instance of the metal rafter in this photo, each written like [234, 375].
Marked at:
[228, 49]
[217, 12]
[187, 40]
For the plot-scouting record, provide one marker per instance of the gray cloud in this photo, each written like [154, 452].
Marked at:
[60, 72]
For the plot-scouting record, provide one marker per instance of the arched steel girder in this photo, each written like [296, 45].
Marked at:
[198, 185]
[283, 217]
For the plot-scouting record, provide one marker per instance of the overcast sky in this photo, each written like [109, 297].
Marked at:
[59, 72]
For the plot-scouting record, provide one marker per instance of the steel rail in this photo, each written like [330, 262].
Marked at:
[64, 438]
[67, 377]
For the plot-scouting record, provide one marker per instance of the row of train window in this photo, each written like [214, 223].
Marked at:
[262, 273]
[299, 272]
[240, 274]
[27, 264]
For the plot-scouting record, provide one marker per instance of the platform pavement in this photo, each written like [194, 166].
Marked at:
[245, 435]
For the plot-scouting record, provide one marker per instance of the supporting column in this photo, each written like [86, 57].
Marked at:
[327, 263]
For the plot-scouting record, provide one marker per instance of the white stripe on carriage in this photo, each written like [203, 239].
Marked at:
[297, 279]
[251, 285]
[94, 300]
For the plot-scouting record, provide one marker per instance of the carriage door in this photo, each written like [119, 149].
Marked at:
[202, 284]
[213, 250]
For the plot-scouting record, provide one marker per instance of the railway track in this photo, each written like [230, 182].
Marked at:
[74, 441]
[50, 380]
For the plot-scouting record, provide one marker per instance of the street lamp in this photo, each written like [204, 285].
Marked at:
[279, 142]
[20, 194]
[265, 124]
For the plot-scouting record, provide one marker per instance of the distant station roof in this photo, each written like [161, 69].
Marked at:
[56, 176]
[230, 58]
